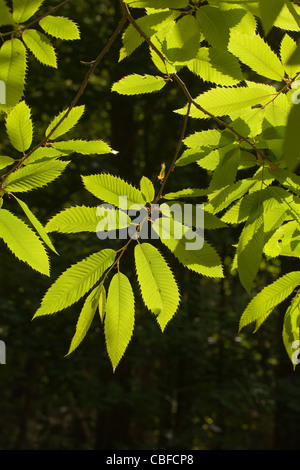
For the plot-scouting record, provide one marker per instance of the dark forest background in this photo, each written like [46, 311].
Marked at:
[200, 385]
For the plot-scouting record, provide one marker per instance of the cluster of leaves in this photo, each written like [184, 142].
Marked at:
[251, 154]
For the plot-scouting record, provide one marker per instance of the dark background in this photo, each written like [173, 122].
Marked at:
[200, 385]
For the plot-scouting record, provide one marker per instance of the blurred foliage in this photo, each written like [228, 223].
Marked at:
[200, 385]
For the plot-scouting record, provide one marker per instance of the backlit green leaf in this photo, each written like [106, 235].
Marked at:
[25, 9]
[5, 15]
[60, 27]
[158, 286]
[265, 301]
[136, 84]
[119, 317]
[85, 319]
[75, 282]
[19, 127]
[12, 71]
[189, 247]
[40, 46]
[64, 122]
[34, 176]
[85, 147]
[23, 242]
[36, 224]
[113, 190]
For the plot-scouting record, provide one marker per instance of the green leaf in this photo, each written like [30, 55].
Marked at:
[158, 4]
[23, 242]
[43, 154]
[222, 198]
[250, 249]
[36, 224]
[157, 40]
[287, 49]
[257, 54]
[12, 71]
[5, 161]
[111, 188]
[136, 84]
[5, 15]
[269, 12]
[264, 303]
[209, 221]
[25, 9]
[86, 219]
[188, 192]
[286, 20]
[102, 303]
[40, 46]
[183, 40]
[291, 145]
[34, 176]
[85, 319]
[290, 331]
[188, 247]
[19, 127]
[149, 24]
[64, 122]
[285, 241]
[85, 147]
[158, 286]
[225, 101]
[226, 170]
[75, 282]
[147, 189]
[119, 318]
[216, 66]
[214, 26]
[60, 27]
[288, 179]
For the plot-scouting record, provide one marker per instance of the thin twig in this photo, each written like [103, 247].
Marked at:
[172, 166]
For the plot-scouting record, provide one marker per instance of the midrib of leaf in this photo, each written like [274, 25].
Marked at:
[20, 133]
